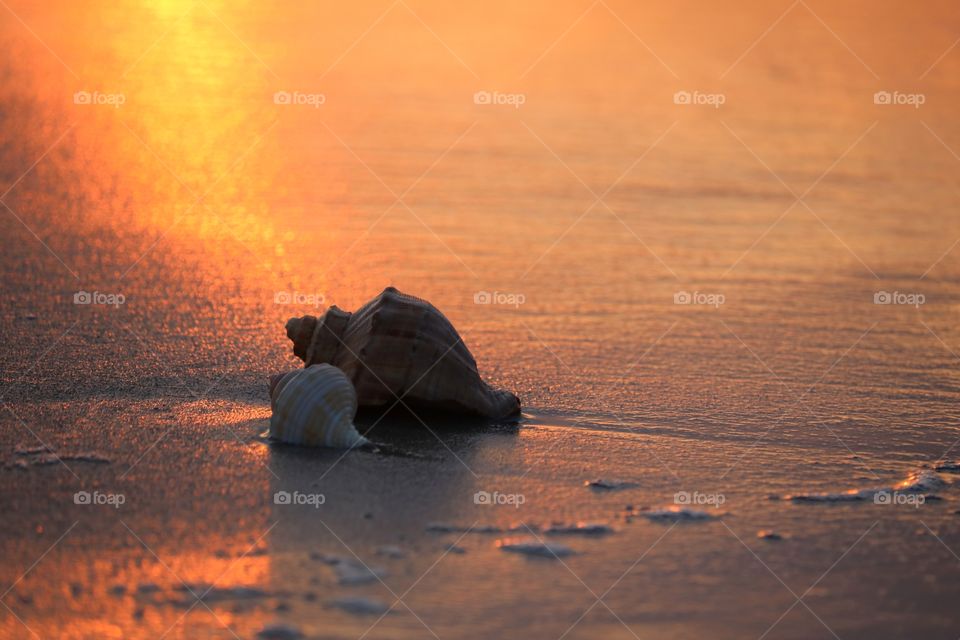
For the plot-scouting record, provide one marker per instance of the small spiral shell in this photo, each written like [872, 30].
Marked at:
[315, 407]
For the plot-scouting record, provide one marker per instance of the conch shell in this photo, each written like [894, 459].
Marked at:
[399, 346]
[314, 407]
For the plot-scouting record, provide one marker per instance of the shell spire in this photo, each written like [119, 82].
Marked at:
[399, 347]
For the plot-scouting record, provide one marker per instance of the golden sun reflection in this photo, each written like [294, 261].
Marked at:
[225, 166]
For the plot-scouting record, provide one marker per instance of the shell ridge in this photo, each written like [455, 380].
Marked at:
[398, 344]
[327, 337]
[316, 407]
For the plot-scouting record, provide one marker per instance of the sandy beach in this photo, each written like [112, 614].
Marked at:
[713, 250]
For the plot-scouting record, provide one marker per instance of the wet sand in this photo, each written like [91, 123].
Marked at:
[218, 213]
[211, 518]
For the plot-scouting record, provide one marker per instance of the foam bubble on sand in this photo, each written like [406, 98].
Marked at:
[351, 570]
[442, 527]
[533, 547]
[44, 455]
[921, 481]
[279, 631]
[208, 593]
[487, 528]
[234, 593]
[85, 456]
[24, 450]
[601, 484]
[852, 495]
[582, 528]
[361, 605]
[677, 513]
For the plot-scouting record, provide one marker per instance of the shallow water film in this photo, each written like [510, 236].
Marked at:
[713, 248]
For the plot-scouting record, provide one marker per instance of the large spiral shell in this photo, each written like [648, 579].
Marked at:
[314, 407]
[399, 348]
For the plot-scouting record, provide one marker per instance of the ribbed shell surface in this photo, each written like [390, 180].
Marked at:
[397, 345]
[315, 407]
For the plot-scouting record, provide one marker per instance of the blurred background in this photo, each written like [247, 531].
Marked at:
[731, 223]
